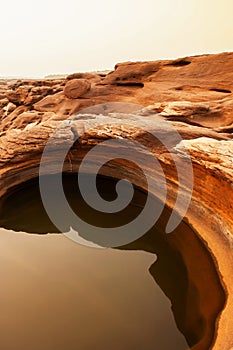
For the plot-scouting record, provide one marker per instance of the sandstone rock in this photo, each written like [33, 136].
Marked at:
[49, 103]
[19, 95]
[37, 93]
[25, 119]
[94, 78]
[8, 121]
[182, 108]
[9, 108]
[76, 88]
[194, 95]
[4, 102]
[131, 72]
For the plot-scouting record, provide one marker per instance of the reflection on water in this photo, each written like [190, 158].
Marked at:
[56, 294]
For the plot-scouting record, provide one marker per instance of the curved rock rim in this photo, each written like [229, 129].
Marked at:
[213, 231]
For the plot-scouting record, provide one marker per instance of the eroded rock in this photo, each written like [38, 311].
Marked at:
[193, 94]
[76, 88]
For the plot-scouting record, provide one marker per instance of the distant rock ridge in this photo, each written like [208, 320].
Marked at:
[195, 94]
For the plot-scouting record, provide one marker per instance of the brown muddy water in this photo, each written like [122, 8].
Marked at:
[58, 295]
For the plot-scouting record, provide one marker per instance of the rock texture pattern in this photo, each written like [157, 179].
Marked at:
[75, 88]
[194, 94]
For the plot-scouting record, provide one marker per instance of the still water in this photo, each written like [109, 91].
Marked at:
[58, 295]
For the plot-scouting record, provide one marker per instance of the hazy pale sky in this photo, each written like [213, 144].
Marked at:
[65, 36]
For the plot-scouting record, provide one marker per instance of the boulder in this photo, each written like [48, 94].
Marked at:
[76, 88]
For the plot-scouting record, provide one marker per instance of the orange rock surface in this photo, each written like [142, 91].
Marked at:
[194, 94]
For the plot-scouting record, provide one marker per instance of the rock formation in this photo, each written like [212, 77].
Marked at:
[194, 94]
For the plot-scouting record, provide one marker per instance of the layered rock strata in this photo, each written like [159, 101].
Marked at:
[193, 94]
